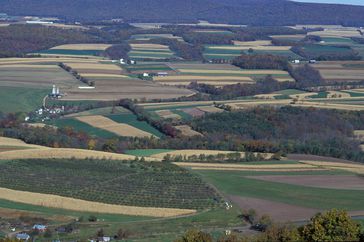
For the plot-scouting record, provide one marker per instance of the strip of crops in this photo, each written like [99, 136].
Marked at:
[146, 184]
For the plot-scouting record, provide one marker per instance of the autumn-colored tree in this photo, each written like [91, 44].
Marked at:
[195, 236]
[280, 233]
[333, 225]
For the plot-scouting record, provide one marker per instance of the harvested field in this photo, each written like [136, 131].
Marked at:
[267, 96]
[355, 168]
[241, 71]
[213, 83]
[337, 33]
[187, 131]
[62, 153]
[54, 201]
[201, 78]
[103, 75]
[149, 46]
[253, 43]
[242, 47]
[348, 182]
[17, 143]
[247, 167]
[167, 114]
[296, 37]
[194, 112]
[210, 109]
[38, 76]
[336, 94]
[120, 129]
[82, 47]
[278, 211]
[92, 66]
[359, 134]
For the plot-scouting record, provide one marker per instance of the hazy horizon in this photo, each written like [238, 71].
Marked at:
[354, 2]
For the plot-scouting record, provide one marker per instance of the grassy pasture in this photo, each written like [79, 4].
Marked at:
[81, 126]
[70, 52]
[146, 152]
[235, 183]
[21, 99]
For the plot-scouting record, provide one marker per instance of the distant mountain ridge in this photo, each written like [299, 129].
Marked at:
[251, 12]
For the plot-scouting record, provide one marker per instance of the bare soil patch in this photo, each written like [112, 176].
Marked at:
[278, 211]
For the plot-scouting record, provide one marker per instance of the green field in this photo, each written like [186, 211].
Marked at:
[146, 152]
[235, 183]
[82, 127]
[18, 99]
[71, 52]
[290, 92]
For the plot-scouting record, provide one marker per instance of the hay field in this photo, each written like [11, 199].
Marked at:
[120, 129]
[4, 141]
[213, 73]
[210, 109]
[296, 37]
[352, 167]
[187, 131]
[167, 114]
[63, 153]
[258, 47]
[48, 60]
[248, 167]
[82, 47]
[253, 43]
[54, 201]
[337, 33]
[240, 71]
[202, 78]
[92, 66]
[149, 46]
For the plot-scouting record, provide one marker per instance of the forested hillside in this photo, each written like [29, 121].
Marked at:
[262, 12]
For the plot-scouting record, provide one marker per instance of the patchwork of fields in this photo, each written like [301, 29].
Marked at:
[288, 191]
[150, 51]
[216, 74]
[108, 123]
[259, 47]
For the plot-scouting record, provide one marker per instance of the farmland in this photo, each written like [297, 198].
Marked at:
[127, 178]
[156, 143]
[217, 75]
[301, 193]
[258, 47]
[150, 51]
[108, 123]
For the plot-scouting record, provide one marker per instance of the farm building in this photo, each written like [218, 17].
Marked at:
[22, 236]
[40, 227]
